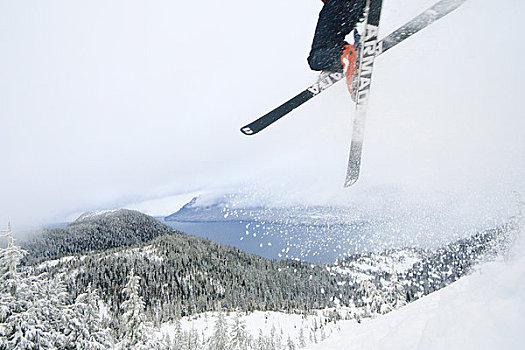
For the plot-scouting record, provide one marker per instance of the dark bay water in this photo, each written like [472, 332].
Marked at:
[275, 240]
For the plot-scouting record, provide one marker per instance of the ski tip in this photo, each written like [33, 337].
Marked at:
[247, 131]
[350, 181]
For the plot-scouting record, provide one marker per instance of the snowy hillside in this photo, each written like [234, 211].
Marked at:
[485, 310]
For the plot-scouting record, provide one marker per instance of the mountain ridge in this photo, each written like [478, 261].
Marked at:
[95, 231]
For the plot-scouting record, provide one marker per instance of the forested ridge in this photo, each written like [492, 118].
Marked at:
[95, 231]
[182, 275]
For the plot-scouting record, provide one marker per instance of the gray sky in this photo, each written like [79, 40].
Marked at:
[103, 103]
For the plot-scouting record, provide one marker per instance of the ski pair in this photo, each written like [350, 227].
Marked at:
[434, 13]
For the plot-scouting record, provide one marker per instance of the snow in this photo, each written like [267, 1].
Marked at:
[52, 263]
[399, 261]
[148, 251]
[95, 213]
[485, 310]
[258, 321]
[163, 206]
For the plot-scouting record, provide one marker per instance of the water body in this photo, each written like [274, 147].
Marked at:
[277, 240]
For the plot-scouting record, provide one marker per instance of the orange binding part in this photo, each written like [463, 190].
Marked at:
[348, 61]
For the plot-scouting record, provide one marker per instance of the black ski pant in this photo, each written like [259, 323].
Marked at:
[336, 20]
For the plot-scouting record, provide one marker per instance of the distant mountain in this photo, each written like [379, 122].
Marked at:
[96, 231]
[223, 210]
[218, 210]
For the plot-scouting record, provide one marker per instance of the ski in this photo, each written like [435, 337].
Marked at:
[369, 45]
[434, 13]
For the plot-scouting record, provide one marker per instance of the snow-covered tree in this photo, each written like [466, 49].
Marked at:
[133, 328]
[193, 340]
[302, 339]
[179, 338]
[313, 335]
[28, 307]
[323, 333]
[37, 311]
[219, 340]
[396, 292]
[165, 343]
[85, 323]
[9, 260]
[290, 344]
[274, 338]
[36, 315]
[239, 336]
[372, 298]
[262, 342]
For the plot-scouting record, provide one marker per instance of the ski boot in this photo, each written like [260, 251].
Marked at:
[350, 69]
[349, 61]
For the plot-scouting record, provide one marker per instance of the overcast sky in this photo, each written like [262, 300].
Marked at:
[103, 103]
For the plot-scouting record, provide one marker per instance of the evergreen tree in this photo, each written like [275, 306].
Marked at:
[372, 298]
[133, 328]
[397, 293]
[262, 342]
[239, 335]
[219, 341]
[165, 343]
[193, 340]
[274, 338]
[85, 323]
[313, 336]
[290, 345]
[9, 260]
[28, 308]
[36, 316]
[302, 339]
[179, 339]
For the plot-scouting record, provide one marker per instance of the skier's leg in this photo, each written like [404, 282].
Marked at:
[326, 59]
[327, 45]
[336, 20]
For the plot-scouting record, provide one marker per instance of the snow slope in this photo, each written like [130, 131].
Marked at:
[485, 310]
[286, 326]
